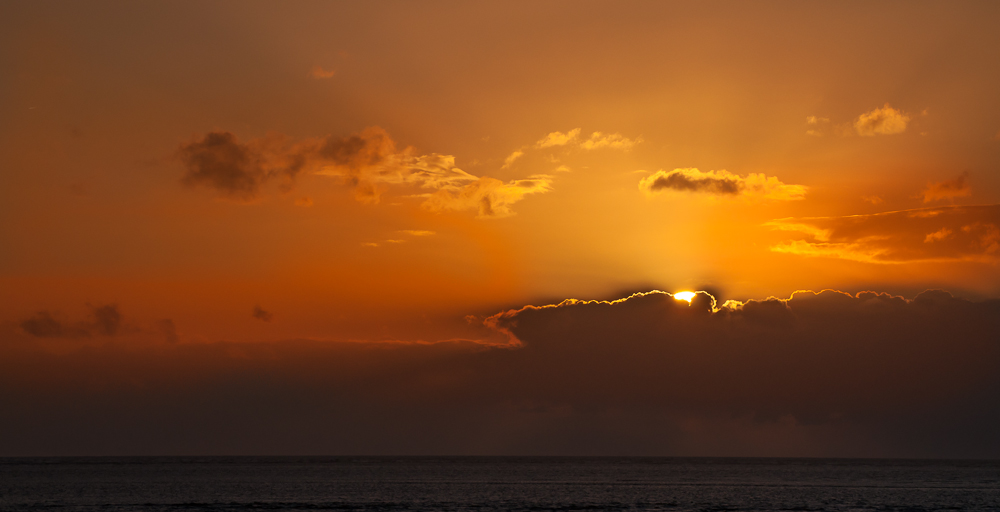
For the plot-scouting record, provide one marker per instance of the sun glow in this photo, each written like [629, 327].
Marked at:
[688, 296]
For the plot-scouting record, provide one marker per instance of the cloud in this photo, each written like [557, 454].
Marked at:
[815, 358]
[881, 121]
[44, 325]
[611, 140]
[168, 329]
[816, 125]
[319, 72]
[304, 202]
[107, 320]
[237, 170]
[369, 162]
[872, 199]
[417, 232]
[491, 197]
[511, 158]
[558, 139]
[949, 189]
[816, 374]
[260, 314]
[950, 233]
[104, 321]
[721, 183]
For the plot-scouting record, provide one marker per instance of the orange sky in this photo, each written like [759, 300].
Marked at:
[179, 177]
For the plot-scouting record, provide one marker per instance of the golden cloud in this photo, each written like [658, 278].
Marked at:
[881, 121]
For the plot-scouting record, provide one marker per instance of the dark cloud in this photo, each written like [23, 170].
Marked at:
[43, 325]
[818, 374]
[721, 183]
[679, 180]
[219, 160]
[260, 314]
[369, 162]
[105, 321]
[948, 189]
[169, 330]
[950, 233]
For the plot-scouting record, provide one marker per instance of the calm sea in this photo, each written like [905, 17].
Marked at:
[496, 483]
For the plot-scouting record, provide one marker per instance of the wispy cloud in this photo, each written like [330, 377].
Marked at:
[950, 233]
[599, 140]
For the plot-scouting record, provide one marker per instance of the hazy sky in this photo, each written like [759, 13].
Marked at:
[317, 227]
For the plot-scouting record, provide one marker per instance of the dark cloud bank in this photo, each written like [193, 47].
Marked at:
[825, 374]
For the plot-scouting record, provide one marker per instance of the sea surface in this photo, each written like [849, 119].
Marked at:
[495, 483]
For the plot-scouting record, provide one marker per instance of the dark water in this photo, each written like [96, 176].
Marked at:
[488, 483]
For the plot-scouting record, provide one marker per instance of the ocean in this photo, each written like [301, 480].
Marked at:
[495, 483]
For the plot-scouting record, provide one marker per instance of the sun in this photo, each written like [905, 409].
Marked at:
[688, 296]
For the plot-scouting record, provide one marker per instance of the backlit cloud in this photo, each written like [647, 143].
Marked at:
[949, 189]
[881, 121]
[721, 183]
[369, 162]
[865, 374]
[951, 233]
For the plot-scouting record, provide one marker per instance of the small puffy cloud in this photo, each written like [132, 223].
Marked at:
[881, 121]
[261, 314]
[611, 140]
[721, 183]
[507, 162]
[951, 233]
[319, 72]
[558, 139]
[490, 196]
[949, 189]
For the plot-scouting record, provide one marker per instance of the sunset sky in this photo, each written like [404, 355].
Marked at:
[374, 228]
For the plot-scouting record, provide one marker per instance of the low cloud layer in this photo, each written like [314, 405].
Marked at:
[721, 183]
[369, 162]
[817, 374]
[948, 189]
[881, 121]
[951, 233]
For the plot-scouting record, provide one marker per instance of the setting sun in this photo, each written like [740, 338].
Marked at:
[688, 296]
